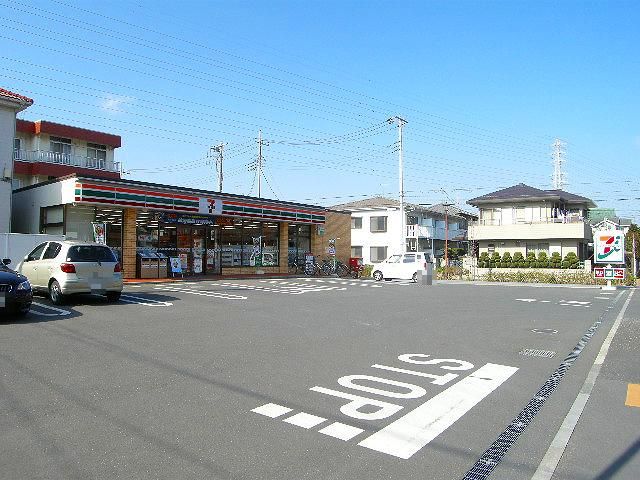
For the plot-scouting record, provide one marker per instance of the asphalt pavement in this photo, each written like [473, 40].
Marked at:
[323, 379]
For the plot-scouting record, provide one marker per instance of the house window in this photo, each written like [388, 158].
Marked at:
[17, 144]
[356, 252]
[356, 223]
[543, 247]
[60, 146]
[411, 220]
[52, 220]
[378, 254]
[378, 224]
[520, 218]
[96, 155]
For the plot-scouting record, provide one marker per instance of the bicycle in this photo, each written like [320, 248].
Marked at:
[334, 266]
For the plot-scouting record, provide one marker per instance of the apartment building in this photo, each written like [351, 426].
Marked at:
[44, 150]
[376, 228]
[526, 219]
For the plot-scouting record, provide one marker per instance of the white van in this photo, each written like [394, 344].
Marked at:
[402, 266]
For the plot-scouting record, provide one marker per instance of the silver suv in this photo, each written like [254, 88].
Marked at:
[64, 268]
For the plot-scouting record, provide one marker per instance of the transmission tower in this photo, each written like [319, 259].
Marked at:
[558, 154]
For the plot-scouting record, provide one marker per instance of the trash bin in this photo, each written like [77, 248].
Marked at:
[163, 265]
[147, 265]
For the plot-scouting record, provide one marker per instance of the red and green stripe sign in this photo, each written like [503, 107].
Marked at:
[132, 197]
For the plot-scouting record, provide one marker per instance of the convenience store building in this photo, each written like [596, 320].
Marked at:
[210, 233]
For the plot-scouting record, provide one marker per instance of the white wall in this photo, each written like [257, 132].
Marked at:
[7, 132]
[27, 203]
[366, 239]
[16, 246]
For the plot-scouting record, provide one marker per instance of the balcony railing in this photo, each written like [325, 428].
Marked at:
[562, 219]
[419, 231]
[36, 156]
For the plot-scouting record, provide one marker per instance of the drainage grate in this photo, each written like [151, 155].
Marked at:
[532, 352]
[494, 454]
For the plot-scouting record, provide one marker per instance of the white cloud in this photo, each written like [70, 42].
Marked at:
[114, 103]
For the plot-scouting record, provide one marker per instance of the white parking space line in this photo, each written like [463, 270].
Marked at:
[144, 301]
[284, 289]
[226, 296]
[59, 311]
[410, 433]
[305, 420]
[341, 431]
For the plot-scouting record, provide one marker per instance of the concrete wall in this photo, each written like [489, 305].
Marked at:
[16, 246]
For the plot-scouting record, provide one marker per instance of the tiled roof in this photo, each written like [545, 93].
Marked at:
[525, 192]
[15, 96]
[376, 203]
[368, 204]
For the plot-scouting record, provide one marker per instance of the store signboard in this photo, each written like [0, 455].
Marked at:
[609, 273]
[176, 266]
[185, 219]
[210, 206]
[609, 246]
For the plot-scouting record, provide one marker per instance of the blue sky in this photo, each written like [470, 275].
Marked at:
[486, 87]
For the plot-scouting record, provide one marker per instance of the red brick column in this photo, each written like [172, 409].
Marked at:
[129, 243]
[284, 248]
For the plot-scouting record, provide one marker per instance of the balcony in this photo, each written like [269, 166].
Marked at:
[419, 231]
[43, 156]
[569, 227]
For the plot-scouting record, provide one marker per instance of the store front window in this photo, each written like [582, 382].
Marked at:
[299, 242]
[247, 243]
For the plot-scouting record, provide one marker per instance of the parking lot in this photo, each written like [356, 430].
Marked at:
[318, 378]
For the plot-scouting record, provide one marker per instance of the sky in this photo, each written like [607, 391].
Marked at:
[486, 87]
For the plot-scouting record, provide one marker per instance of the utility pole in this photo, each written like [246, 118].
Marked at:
[260, 160]
[403, 235]
[219, 149]
[559, 157]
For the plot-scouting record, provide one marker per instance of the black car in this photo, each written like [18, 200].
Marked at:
[15, 291]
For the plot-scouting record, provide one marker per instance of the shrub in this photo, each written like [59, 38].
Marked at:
[506, 260]
[366, 272]
[494, 260]
[483, 260]
[556, 260]
[570, 260]
[518, 260]
[530, 261]
[543, 260]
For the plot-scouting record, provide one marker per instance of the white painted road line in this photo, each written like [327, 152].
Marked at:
[305, 420]
[59, 312]
[410, 433]
[144, 301]
[341, 431]
[271, 410]
[226, 296]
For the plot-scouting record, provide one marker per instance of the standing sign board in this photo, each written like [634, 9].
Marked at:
[99, 232]
[609, 246]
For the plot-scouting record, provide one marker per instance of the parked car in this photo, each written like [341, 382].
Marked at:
[67, 267]
[15, 291]
[402, 266]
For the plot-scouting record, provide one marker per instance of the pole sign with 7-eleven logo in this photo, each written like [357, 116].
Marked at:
[609, 246]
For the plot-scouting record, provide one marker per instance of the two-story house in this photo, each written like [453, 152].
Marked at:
[526, 219]
[45, 150]
[376, 224]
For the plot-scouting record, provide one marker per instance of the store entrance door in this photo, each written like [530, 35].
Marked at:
[214, 256]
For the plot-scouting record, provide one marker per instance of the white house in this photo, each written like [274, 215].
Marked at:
[376, 228]
[526, 219]
[10, 104]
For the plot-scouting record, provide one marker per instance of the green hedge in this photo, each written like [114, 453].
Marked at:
[570, 261]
